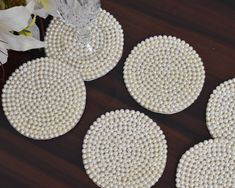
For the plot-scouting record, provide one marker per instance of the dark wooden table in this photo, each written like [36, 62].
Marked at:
[208, 25]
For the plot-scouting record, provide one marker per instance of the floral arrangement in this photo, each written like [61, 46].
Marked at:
[18, 30]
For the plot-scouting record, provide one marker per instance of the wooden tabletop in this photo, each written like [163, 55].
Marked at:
[208, 25]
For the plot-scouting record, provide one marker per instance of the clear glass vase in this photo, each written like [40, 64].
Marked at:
[81, 15]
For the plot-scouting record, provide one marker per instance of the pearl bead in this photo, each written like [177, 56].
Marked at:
[107, 41]
[220, 113]
[208, 164]
[164, 74]
[124, 148]
[36, 102]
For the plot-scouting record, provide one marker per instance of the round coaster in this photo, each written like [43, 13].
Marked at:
[221, 111]
[164, 74]
[44, 99]
[107, 42]
[208, 164]
[124, 148]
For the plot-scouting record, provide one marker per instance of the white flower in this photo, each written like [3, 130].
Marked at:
[16, 19]
[43, 8]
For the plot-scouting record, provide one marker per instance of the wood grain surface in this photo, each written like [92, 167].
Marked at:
[208, 25]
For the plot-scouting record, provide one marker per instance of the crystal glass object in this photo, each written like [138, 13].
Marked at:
[80, 14]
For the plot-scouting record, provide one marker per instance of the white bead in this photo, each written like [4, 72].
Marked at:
[124, 148]
[162, 76]
[220, 113]
[36, 100]
[107, 40]
[208, 164]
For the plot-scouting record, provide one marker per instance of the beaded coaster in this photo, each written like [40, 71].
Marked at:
[124, 148]
[164, 74]
[44, 99]
[208, 164]
[221, 111]
[107, 40]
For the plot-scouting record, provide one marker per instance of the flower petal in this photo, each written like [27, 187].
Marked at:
[52, 8]
[16, 18]
[21, 43]
[30, 6]
[35, 32]
[43, 12]
[3, 55]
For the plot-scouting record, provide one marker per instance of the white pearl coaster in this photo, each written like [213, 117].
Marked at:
[164, 74]
[124, 148]
[221, 111]
[209, 164]
[108, 40]
[44, 99]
